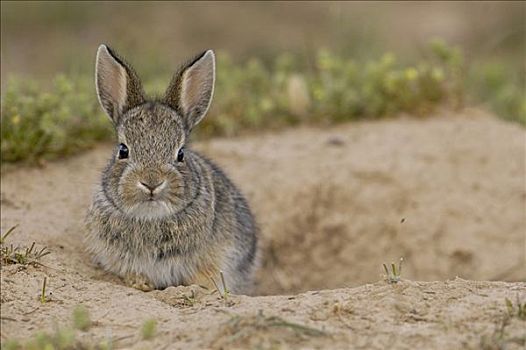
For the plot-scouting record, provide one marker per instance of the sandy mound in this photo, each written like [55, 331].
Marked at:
[446, 193]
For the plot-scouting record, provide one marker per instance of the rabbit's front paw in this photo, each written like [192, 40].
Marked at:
[138, 282]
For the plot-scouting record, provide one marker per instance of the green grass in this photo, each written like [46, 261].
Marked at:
[39, 124]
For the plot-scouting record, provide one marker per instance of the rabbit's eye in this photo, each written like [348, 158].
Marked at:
[123, 151]
[180, 155]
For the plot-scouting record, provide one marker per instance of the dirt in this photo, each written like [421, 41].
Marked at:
[445, 193]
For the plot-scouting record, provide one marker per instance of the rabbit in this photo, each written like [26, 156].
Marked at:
[164, 215]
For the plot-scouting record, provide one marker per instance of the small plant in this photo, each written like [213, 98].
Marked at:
[189, 300]
[20, 255]
[186, 299]
[518, 310]
[395, 274]
[224, 293]
[148, 330]
[81, 318]
[43, 298]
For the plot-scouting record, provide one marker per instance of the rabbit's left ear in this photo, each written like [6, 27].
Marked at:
[191, 89]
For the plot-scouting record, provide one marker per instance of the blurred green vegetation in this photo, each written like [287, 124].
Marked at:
[291, 63]
[61, 338]
[69, 337]
[501, 88]
[45, 124]
[38, 124]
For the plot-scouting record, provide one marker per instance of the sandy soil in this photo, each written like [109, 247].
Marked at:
[446, 193]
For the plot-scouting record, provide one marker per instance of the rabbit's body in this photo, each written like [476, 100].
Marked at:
[213, 233]
[161, 215]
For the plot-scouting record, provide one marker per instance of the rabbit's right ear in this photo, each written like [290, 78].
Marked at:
[191, 89]
[118, 87]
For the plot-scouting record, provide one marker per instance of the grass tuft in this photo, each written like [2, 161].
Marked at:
[10, 254]
[223, 292]
[394, 275]
[516, 310]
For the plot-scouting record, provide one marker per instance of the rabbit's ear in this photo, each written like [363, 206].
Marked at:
[118, 87]
[191, 89]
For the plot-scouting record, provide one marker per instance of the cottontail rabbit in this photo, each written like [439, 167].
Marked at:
[165, 215]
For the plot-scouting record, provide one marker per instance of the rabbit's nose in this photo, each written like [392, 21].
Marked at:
[152, 187]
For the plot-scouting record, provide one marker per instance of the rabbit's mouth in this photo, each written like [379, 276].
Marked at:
[150, 194]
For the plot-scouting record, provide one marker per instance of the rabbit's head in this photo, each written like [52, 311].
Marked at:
[149, 175]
